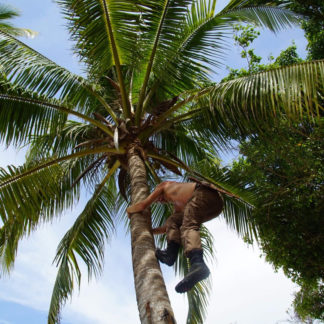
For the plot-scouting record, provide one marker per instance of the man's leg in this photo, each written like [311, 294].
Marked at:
[169, 255]
[201, 208]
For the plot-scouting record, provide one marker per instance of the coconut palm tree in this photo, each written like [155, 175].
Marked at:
[146, 109]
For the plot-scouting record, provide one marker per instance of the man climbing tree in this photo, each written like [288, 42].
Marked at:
[194, 204]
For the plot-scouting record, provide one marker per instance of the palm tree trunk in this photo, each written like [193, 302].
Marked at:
[152, 298]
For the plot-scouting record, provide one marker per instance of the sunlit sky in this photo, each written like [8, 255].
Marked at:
[246, 290]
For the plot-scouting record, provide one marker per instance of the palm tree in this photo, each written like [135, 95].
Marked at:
[146, 107]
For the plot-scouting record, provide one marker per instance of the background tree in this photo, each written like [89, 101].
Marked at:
[285, 169]
[243, 37]
[284, 166]
[312, 23]
[146, 105]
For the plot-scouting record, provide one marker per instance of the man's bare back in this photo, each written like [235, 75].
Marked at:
[176, 193]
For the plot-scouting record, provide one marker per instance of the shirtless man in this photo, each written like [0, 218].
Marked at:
[193, 204]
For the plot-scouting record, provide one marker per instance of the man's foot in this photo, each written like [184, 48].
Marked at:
[169, 255]
[198, 271]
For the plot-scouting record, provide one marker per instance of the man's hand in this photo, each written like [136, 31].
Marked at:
[158, 192]
[135, 209]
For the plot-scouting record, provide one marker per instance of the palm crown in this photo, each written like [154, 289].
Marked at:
[148, 95]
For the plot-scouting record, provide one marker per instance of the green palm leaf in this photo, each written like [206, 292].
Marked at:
[86, 238]
[7, 13]
[241, 104]
[53, 161]
[31, 201]
[25, 114]
[90, 19]
[293, 90]
[22, 116]
[200, 44]
[181, 144]
[62, 141]
[170, 13]
[31, 70]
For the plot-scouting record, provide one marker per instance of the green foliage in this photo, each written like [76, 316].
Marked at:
[314, 32]
[7, 13]
[286, 170]
[244, 36]
[313, 10]
[86, 238]
[309, 301]
[288, 56]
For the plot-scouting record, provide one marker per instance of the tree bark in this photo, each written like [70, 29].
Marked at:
[152, 297]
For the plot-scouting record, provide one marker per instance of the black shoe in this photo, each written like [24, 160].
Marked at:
[169, 255]
[198, 271]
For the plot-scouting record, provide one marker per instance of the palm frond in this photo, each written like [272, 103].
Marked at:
[293, 91]
[197, 45]
[200, 42]
[179, 142]
[32, 200]
[116, 56]
[167, 161]
[198, 302]
[53, 161]
[32, 71]
[270, 15]
[89, 21]
[7, 13]
[169, 14]
[24, 115]
[86, 238]
[242, 104]
[62, 142]
[208, 127]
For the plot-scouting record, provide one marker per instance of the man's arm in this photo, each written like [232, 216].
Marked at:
[148, 201]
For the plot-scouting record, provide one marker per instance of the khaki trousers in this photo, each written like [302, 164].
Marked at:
[183, 227]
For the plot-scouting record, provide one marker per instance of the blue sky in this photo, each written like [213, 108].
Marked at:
[246, 290]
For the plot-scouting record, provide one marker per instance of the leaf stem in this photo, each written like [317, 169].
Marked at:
[149, 65]
[125, 101]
